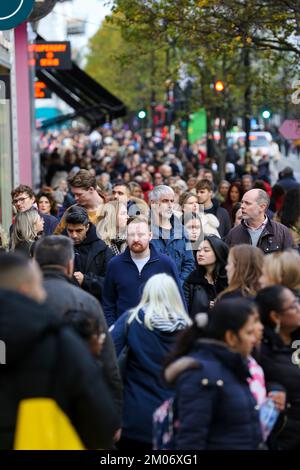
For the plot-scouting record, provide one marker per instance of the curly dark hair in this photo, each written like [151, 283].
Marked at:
[53, 203]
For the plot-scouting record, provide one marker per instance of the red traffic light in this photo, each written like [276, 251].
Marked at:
[219, 85]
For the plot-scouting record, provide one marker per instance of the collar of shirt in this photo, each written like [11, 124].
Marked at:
[260, 227]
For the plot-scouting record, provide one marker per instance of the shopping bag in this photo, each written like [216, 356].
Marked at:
[268, 415]
[42, 425]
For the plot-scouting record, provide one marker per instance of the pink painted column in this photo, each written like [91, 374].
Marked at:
[23, 105]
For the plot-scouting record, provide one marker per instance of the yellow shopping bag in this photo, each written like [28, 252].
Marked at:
[42, 425]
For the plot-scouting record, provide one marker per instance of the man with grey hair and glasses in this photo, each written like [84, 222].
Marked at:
[256, 228]
[169, 236]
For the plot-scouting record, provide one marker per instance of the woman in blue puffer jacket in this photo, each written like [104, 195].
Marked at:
[216, 409]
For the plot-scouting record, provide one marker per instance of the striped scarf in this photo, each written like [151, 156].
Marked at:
[168, 325]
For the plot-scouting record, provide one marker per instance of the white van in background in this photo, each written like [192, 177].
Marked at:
[260, 143]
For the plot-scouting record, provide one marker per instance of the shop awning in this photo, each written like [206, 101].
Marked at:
[82, 93]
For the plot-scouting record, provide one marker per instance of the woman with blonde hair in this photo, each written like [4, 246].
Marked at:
[282, 268]
[149, 330]
[112, 226]
[244, 268]
[28, 227]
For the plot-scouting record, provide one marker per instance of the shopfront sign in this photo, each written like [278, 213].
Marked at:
[54, 55]
[41, 91]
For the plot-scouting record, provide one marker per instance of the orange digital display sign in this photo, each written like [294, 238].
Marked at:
[41, 91]
[50, 55]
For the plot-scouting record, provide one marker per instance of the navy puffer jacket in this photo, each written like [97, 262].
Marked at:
[216, 409]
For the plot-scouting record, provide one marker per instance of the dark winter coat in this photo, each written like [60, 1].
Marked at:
[274, 237]
[25, 247]
[199, 292]
[236, 294]
[144, 389]
[44, 359]
[276, 359]
[177, 246]
[91, 259]
[288, 182]
[124, 284]
[50, 223]
[216, 409]
[63, 296]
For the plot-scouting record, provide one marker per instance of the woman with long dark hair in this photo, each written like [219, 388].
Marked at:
[209, 278]
[234, 196]
[290, 213]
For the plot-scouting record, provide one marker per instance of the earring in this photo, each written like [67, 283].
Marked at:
[277, 327]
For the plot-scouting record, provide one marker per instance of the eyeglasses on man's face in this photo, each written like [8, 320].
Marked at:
[20, 200]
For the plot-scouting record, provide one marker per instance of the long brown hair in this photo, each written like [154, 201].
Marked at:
[248, 261]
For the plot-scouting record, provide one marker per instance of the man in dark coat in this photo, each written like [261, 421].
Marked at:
[46, 359]
[287, 180]
[91, 254]
[128, 272]
[55, 256]
[256, 228]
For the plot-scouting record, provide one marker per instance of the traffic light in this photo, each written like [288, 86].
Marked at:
[266, 113]
[219, 86]
[142, 114]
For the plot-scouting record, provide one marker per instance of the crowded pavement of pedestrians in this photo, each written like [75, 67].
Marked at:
[158, 305]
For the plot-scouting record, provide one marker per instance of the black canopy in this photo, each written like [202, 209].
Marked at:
[80, 91]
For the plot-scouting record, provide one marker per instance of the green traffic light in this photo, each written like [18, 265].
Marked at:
[142, 114]
[266, 114]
